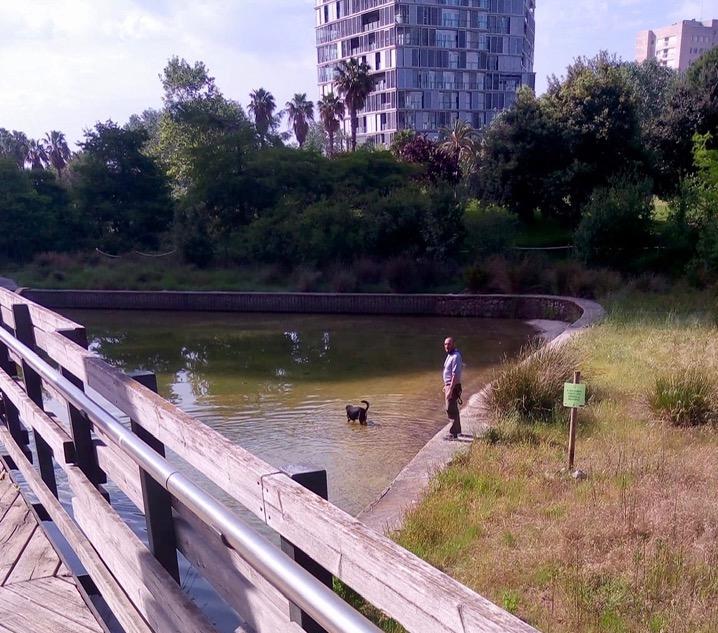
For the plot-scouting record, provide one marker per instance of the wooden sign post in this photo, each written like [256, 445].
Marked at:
[574, 396]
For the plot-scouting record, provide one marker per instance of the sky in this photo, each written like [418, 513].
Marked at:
[66, 64]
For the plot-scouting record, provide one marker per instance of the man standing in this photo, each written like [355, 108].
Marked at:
[452, 386]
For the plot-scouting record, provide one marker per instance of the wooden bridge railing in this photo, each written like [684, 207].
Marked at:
[137, 585]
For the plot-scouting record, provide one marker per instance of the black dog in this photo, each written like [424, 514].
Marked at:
[355, 413]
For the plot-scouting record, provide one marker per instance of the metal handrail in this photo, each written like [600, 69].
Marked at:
[293, 581]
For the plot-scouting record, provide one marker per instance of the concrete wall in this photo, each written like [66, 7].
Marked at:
[489, 306]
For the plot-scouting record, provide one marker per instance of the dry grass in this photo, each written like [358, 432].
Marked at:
[634, 547]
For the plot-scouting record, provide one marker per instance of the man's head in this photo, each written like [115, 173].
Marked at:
[449, 345]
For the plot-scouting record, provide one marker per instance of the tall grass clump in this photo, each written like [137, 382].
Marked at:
[530, 389]
[685, 397]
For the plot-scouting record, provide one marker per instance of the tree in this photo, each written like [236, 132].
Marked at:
[652, 85]
[186, 84]
[36, 154]
[58, 153]
[299, 113]
[525, 161]
[13, 146]
[196, 115]
[702, 82]
[436, 166]
[30, 212]
[149, 121]
[705, 185]
[597, 110]
[460, 142]
[262, 107]
[331, 112]
[120, 191]
[616, 224]
[353, 83]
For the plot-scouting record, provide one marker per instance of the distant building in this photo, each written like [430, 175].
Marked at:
[434, 61]
[679, 45]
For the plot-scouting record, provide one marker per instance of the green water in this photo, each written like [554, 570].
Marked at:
[278, 384]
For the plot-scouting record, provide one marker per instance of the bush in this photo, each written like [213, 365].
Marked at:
[685, 398]
[367, 271]
[615, 227]
[530, 389]
[343, 281]
[476, 278]
[307, 279]
[402, 274]
[490, 229]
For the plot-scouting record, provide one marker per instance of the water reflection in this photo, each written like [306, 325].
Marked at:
[278, 384]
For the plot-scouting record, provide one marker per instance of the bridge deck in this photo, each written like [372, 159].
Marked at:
[37, 592]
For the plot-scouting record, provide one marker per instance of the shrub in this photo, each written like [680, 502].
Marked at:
[307, 279]
[531, 388]
[402, 274]
[490, 229]
[368, 271]
[616, 224]
[476, 278]
[685, 397]
[343, 281]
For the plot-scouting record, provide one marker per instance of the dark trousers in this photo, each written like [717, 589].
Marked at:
[452, 409]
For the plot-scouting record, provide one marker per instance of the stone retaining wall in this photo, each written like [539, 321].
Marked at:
[523, 307]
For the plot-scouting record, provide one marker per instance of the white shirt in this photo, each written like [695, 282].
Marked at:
[452, 367]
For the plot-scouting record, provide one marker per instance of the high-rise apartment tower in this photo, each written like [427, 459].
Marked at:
[679, 45]
[433, 61]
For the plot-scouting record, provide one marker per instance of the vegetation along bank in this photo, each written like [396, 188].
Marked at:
[633, 546]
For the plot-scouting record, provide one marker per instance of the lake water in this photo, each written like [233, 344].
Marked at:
[278, 384]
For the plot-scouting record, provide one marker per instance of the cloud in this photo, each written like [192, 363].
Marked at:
[69, 63]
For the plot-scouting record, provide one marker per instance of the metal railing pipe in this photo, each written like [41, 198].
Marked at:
[293, 581]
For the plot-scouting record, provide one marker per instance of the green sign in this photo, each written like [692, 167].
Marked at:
[574, 395]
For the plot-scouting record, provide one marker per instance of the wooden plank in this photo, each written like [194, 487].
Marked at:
[149, 586]
[42, 318]
[257, 602]
[16, 528]
[64, 352]
[38, 560]
[51, 431]
[8, 493]
[118, 601]
[46, 605]
[208, 451]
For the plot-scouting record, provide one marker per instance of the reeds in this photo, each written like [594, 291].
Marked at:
[530, 389]
[685, 397]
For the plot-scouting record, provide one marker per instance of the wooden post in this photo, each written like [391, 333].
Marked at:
[316, 481]
[9, 411]
[80, 426]
[573, 421]
[156, 500]
[33, 386]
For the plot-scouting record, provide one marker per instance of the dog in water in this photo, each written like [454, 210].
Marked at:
[355, 413]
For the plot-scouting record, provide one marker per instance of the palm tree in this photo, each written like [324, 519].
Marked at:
[36, 154]
[460, 141]
[331, 112]
[58, 153]
[300, 112]
[262, 107]
[354, 83]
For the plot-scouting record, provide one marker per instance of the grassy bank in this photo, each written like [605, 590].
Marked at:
[134, 272]
[634, 546]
